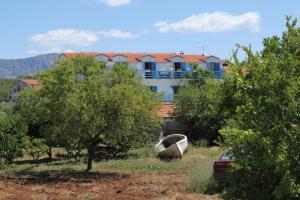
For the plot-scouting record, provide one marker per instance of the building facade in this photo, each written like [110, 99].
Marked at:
[161, 72]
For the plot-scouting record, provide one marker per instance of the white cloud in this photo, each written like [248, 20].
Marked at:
[65, 37]
[115, 2]
[59, 40]
[114, 33]
[213, 22]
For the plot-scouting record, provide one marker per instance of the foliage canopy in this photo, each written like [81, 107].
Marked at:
[263, 132]
[89, 105]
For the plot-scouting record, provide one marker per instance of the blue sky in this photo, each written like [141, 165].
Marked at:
[33, 27]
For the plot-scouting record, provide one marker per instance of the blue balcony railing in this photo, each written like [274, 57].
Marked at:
[177, 75]
[152, 74]
[166, 75]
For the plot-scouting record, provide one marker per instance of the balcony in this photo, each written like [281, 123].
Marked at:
[177, 75]
[166, 74]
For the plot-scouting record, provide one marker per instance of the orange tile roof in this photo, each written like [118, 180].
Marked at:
[165, 110]
[194, 58]
[32, 83]
[136, 57]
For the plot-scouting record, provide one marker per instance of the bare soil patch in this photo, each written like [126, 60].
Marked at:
[98, 185]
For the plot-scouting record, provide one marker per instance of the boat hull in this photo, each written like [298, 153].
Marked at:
[171, 146]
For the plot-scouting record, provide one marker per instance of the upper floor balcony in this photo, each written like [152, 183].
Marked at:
[177, 75]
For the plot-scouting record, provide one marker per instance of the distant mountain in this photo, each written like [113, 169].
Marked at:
[13, 68]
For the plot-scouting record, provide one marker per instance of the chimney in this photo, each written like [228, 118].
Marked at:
[181, 53]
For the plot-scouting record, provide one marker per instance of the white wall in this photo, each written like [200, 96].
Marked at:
[165, 85]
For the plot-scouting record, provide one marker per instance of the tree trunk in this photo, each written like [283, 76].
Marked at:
[49, 152]
[91, 152]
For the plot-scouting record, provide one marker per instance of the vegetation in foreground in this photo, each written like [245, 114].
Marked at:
[263, 134]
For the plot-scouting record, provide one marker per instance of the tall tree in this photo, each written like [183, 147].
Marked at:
[263, 133]
[91, 105]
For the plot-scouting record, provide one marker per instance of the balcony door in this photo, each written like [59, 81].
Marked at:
[179, 66]
[150, 66]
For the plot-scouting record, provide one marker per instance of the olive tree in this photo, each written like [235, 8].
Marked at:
[91, 105]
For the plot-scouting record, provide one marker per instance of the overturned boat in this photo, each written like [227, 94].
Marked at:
[171, 146]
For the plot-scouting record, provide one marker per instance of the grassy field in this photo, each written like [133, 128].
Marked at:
[140, 169]
[142, 160]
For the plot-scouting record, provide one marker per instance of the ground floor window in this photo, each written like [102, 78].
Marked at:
[175, 89]
[153, 88]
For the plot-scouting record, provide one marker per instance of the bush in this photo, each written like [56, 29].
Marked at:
[35, 147]
[264, 133]
[12, 132]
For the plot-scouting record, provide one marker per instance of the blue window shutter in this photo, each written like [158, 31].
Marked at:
[183, 66]
[153, 66]
[218, 67]
[209, 66]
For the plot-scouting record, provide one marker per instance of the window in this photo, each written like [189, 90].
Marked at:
[150, 66]
[177, 66]
[175, 89]
[153, 88]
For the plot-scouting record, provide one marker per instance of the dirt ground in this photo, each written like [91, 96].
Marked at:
[97, 185]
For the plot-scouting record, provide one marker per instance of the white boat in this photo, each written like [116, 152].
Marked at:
[171, 146]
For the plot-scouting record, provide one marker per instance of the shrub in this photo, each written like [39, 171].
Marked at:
[12, 132]
[35, 147]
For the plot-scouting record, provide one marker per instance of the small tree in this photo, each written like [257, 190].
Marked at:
[35, 147]
[12, 131]
[32, 106]
[198, 107]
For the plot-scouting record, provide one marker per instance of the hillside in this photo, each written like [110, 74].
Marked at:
[12, 68]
